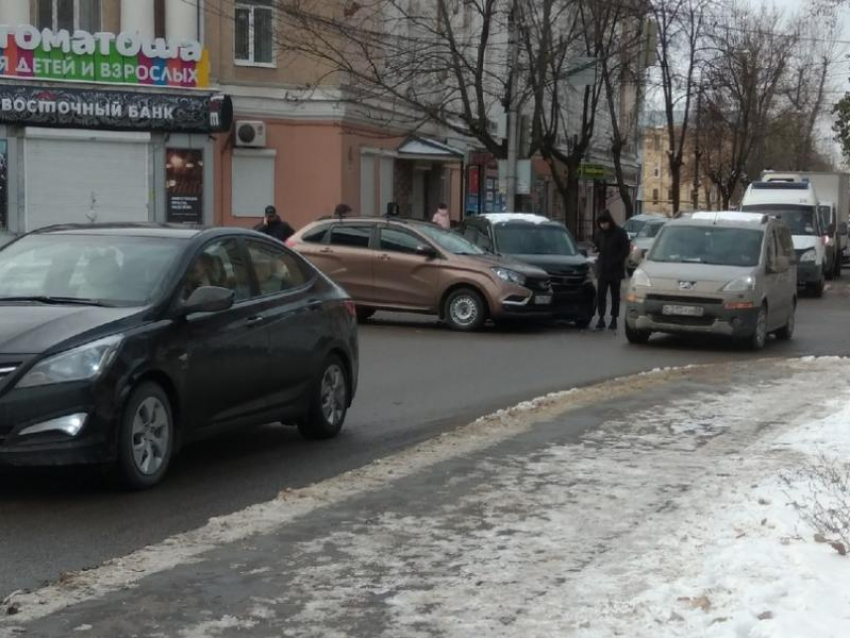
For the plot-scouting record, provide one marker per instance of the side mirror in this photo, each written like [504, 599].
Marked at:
[208, 299]
[426, 251]
[842, 228]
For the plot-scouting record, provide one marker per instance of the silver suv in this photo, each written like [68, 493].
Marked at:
[730, 274]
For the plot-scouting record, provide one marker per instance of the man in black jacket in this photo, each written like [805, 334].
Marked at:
[273, 226]
[613, 246]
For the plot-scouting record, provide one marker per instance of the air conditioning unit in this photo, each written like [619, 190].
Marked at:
[250, 134]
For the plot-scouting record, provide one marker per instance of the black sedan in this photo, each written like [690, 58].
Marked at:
[119, 344]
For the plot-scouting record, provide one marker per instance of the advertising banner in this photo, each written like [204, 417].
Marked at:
[184, 185]
[124, 58]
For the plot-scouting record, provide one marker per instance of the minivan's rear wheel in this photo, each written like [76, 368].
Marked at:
[328, 402]
[464, 310]
[759, 336]
[145, 438]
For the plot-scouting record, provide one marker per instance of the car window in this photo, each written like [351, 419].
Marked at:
[800, 219]
[449, 240]
[708, 245]
[316, 235]
[772, 249]
[113, 270]
[535, 239]
[277, 270]
[650, 230]
[353, 236]
[219, 264]
[399, 241]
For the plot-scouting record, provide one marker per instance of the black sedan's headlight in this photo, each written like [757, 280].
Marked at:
[83, 363]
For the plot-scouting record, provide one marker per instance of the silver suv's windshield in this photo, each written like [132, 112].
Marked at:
[708, 245]
[519, 238]
[95, 269]
[449, 240]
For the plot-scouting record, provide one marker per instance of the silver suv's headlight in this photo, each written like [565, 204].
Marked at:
[80, 364]
[809, 255]
[641, 279]
[742, 284]
[509, 275]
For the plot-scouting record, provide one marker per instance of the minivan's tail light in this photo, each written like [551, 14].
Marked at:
[351, 308]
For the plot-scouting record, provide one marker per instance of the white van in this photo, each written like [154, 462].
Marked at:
[796, 204]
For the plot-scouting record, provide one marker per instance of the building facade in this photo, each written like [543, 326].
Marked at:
[657, 191]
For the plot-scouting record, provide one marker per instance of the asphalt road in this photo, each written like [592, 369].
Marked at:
[418, 380]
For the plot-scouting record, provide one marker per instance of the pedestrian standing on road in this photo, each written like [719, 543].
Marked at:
[273, 226]
[612, 244]
[442, 218]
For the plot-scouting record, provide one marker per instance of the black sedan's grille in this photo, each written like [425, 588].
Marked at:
[538, 285]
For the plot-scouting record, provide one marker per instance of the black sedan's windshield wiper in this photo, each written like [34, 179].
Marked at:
[55, 301]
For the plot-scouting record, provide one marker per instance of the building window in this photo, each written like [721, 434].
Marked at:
[71, 15]
[654, 195]
[254, 32]
[253, 179]
[670, 195]
[159, 18]
[656, 172]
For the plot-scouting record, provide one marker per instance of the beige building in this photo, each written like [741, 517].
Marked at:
[657, 182]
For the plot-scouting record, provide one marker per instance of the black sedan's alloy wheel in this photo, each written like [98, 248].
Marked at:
[328, 403]
[145, 438]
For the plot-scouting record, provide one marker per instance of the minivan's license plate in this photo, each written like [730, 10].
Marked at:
[543, 300]
[683, 311]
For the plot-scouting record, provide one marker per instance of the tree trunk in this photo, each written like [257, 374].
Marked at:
[676, 186]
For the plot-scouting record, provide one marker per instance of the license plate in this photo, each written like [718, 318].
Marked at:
[683, 311]
[543, 300]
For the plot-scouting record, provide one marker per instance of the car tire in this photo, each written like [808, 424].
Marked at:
[329, 399]
[364, 314]
[464, 310]
[786, 332]
[145, 438]
[758, 339]
[637, 337]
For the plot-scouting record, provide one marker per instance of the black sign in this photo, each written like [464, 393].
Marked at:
[184, 185]
[26, 105]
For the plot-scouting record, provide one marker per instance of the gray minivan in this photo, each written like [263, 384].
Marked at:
[731, 274]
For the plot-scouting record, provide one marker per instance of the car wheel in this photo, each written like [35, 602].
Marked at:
[364, 314]
[786, 333]
[637, 337]
[328, 402]
[759, 336]
[145, 438]
[464, 310]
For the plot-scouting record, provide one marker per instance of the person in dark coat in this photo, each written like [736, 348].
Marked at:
[613, 245]
[273, 226]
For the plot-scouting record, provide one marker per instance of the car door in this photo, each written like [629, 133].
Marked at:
[402, 277]
[288, 304]
[225, 354]
[346, 256]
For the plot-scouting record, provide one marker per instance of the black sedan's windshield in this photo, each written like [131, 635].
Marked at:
[71, 268]
[799, 219]
[449, 240]
[708, 245]
[534, 239]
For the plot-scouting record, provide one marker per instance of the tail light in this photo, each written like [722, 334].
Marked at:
[290, 243]
[351, 308]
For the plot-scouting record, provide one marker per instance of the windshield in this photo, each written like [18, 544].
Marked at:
[799, 219]
[534, 239]
[650, 230]
[113, 271]
[708, 245]
[825, 216]
[449, 240]
[633, 225]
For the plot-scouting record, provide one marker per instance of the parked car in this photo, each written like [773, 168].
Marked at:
[642, 243]
[730, 274]
[410, 266]
[546, 244]
[120, 344]
[634, 224]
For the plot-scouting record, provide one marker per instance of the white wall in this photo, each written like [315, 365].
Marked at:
[137, 16]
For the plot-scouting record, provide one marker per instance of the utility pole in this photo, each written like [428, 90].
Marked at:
[697, 151]
[513, 109]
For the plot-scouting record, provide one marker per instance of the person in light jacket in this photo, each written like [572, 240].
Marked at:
[441, 217]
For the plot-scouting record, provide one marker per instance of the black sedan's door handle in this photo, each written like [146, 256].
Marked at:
[255, 321]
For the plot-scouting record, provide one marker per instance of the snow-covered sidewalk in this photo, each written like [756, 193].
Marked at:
[647, 507]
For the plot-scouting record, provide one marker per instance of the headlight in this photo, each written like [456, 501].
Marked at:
[809, 255]
[511, 276]
[743, 284]
[80, 364]
[641, 279]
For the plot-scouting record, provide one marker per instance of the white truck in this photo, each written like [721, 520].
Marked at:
[833, 192]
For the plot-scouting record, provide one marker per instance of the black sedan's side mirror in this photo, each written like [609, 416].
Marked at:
[208, 299]
[426, 251]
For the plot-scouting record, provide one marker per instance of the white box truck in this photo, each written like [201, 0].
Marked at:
[833, 192]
